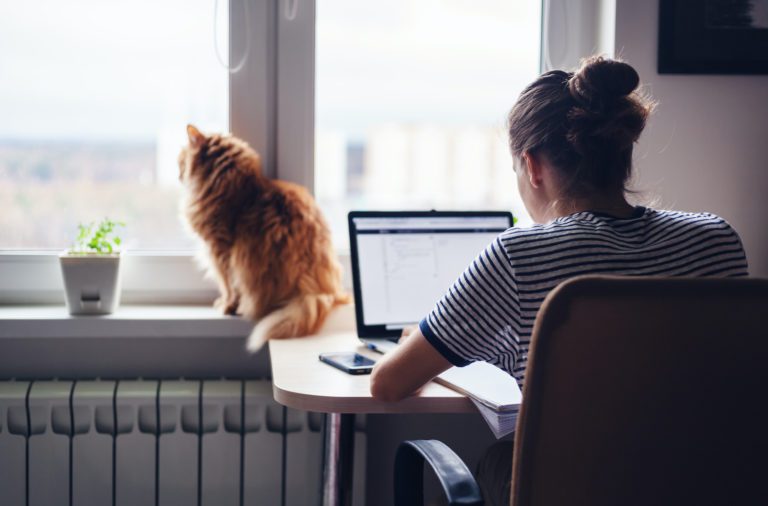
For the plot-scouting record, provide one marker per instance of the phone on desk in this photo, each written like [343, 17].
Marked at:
[349, 362]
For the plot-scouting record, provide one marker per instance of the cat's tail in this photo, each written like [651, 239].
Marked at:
[300, 317]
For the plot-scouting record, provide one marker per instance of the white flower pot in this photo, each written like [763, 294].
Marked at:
[91, 282]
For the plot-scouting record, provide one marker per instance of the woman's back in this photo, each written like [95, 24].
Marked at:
[489, 313]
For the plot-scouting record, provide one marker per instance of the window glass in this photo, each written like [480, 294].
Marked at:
[94, 99]
[412, 100]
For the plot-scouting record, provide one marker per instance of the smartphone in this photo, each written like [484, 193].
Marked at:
[349, 362]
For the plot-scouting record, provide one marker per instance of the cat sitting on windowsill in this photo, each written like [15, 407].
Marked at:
[267, 244]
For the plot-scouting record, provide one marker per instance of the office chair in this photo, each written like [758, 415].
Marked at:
[649, 391]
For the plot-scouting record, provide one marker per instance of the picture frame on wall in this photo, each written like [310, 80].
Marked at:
[713, 37]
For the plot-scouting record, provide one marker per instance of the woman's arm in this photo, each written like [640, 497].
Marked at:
[403, 371]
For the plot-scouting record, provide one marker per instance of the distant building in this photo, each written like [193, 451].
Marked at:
[435, 166]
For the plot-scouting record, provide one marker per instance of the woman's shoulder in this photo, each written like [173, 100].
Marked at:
[694, 220]
[586, 224]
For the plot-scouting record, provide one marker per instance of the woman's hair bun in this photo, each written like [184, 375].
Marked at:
[586, 122]
[600, 81]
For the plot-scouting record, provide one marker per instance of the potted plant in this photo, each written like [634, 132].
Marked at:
[91, 269]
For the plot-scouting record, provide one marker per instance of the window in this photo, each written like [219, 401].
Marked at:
[95, 97]
[411, 104]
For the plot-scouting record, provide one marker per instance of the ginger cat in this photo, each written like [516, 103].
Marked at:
[268, 245]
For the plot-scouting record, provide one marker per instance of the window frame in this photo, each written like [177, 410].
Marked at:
[257, 98]
[271, 106]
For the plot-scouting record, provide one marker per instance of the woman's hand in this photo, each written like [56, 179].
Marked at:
[407, 368]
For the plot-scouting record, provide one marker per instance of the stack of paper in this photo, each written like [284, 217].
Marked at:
[500, 424]
[494, 392]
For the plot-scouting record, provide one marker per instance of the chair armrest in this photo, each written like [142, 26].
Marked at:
[457, 481]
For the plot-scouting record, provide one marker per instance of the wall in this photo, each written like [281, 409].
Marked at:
[706, 147]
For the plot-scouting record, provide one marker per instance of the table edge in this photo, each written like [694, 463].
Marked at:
[364, 405]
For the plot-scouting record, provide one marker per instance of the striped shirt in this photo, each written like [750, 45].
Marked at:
[488, 313]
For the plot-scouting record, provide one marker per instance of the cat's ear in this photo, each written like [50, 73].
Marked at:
[196, 137]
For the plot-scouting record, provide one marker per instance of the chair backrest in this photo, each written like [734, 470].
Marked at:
[646, 391]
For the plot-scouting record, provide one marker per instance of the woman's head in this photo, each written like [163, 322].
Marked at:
[583, 124]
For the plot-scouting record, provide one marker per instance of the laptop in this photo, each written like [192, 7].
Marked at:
[403, 262]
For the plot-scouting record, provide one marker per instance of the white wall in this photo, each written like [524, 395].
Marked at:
[575, 29]
[706, 147]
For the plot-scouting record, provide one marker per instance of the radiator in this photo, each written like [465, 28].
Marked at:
[164, 443]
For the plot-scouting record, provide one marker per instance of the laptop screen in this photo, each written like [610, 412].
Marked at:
[403, 263]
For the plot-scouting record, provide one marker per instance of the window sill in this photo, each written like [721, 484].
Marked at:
[53, 321]
[153, 342]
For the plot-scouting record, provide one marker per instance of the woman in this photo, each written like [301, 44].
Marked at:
[571, 137]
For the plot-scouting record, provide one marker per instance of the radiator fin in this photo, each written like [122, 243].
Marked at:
[220, 452]
[179, 421]
[93, 415]
[13, 445]
[48, 451]
[135, 468]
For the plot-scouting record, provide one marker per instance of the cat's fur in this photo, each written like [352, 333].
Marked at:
[269, 247]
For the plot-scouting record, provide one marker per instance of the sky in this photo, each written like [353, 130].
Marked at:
[132, 69]
[108, 69]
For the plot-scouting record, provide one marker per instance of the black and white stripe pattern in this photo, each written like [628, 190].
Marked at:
[488, 313]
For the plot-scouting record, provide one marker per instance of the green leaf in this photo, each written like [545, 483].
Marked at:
[99, 238]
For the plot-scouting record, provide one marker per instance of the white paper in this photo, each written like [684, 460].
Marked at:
[486, 383]
[494, 392]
